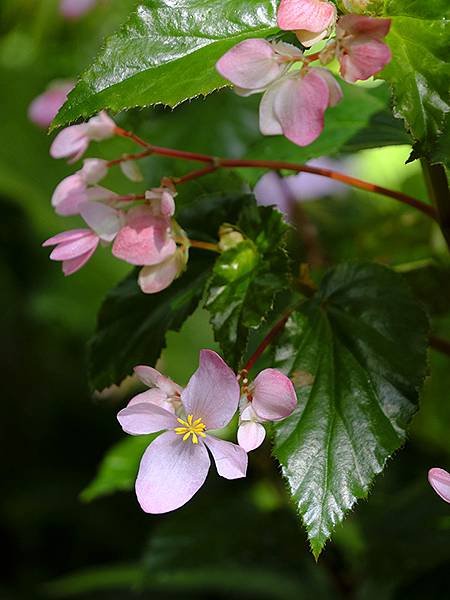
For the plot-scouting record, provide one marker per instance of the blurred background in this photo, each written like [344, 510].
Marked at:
[235, 540]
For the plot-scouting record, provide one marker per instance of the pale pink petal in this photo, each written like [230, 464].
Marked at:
[309, 38]
[99, 193]
[163, 203]
[146, 417]
[363, 59]
[212, 393]
[170, 473]
[334, 88]
[152, 377]
[145, 239]
[250, 435]
[156, 278]
[73, 9]
[363, 26]
[274, 396]
[67, 194]
[231, 460]
[440, 482]
[309, 15]
[298, 104]
[75, 248]
[269, 124]
[100, 127]
[103, 219]
[72, 265]
[66, 236]
[94, 169]
[131, 170]
[71, 142]
[153, 396]
[251, 64]
[45, 107]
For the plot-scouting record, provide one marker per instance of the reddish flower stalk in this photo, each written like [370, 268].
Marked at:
[216, 163]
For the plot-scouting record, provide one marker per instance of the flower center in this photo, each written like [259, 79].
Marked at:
[191, 427]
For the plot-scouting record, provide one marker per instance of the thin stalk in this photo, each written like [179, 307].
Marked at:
[437, 184]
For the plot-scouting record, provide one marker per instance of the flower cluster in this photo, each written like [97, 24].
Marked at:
[140, 229]
[176, 463]
[295, 94]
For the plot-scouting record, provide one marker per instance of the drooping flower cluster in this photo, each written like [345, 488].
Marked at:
[141, 230]
[296, 94]
[176, 463]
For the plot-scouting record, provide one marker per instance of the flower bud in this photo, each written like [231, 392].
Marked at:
[229, 237]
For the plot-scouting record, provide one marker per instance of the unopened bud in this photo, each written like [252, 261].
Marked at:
[229, 237]
[362, 7]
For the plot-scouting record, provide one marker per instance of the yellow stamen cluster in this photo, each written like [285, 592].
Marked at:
[191, 427]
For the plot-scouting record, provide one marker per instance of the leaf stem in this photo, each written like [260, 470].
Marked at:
[438, 189]
[273, 333]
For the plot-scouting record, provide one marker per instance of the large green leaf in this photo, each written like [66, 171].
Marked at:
[132, 326]
[419, 71]
[362, 341]
[166, 53]
[246, 279]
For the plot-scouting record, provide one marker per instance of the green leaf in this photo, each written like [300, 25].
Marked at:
[383, 130]
[362, 342]
[132, 326]
[419, 71]
[118, 469]
[166, 53]
[246, 279]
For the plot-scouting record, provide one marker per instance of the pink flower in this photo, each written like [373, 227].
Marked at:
[158, 277]
[312, 20]
[74, 248]
[359, 46]
[295, 105]
[271, 397]
[73, 9]
[145, 239]
[440, 482]
[175, 465]
[73, 190]
[162, 201]
[254, 64]
[72, 142]
[45, 107]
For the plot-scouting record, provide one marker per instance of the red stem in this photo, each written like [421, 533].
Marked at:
[440, 344]
[273, 333]
[274, 165]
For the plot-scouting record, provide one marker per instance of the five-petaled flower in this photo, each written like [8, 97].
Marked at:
[176, 463]
[439, 480]
[270, 397]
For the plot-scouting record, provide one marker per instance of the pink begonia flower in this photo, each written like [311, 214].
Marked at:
[439, 480]
[73, 190]
[44, 108]
[295, 105]
[145, 239]
[74, 9]
[155, 278]
[72, 142]
[162, 201]
[254, 64]
[312, 20]
[359, 46]
[175, 465]
[271, 397]
[74, 248]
